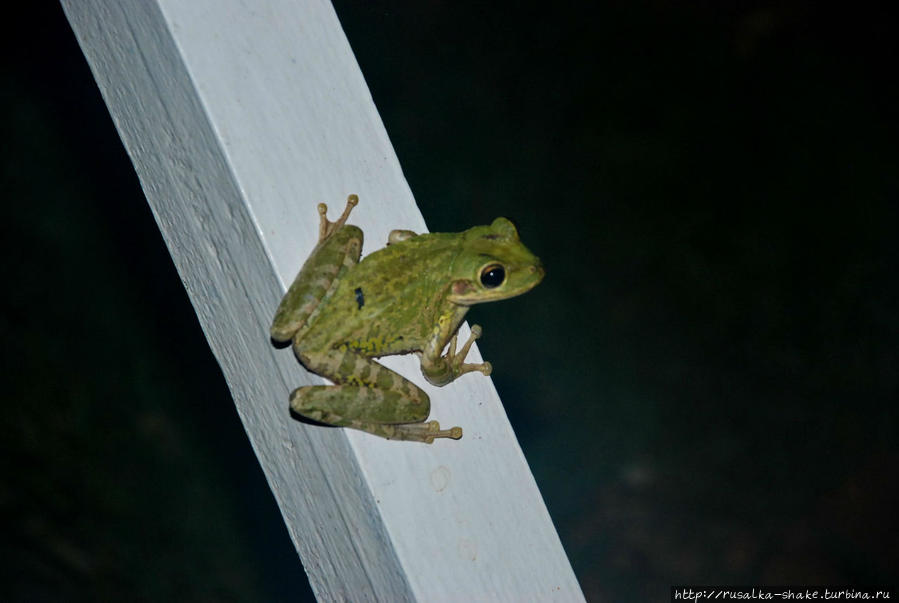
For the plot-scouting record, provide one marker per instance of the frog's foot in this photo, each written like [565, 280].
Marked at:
[426, 432]
[409, 432]
[456, 360]
[326, 227]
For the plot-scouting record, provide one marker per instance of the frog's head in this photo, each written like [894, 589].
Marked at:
[493, 265]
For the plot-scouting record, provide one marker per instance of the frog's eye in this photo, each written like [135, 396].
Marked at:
[493, 276]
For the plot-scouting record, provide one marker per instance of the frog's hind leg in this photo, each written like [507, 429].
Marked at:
[371, 409]
[339, 248]
[382, 403]
[308, 402]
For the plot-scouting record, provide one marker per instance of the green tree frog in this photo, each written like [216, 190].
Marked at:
[410, 297]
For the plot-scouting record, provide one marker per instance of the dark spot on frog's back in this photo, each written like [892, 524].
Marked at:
[360, 298]
[492, 236]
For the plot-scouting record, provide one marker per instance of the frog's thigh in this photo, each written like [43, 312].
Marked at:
[345, 404]
[365, 391]
[316, 281]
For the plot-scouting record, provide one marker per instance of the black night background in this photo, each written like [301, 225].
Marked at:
[705, 384]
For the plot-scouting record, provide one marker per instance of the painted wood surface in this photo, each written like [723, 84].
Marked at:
[239, 118]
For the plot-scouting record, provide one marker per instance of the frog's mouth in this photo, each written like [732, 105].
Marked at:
[536, 274]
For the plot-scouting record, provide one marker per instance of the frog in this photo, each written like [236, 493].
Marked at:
[410, 297]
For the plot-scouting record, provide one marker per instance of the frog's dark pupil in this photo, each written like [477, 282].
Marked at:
[493, 277]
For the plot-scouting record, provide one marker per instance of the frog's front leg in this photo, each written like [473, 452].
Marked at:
[369, 397]
[440, 369]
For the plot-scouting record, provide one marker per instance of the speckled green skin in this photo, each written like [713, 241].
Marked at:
[410, 296]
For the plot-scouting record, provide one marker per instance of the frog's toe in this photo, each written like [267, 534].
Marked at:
[325, 226]
[457, 359]
[434, 432]
[482, 367]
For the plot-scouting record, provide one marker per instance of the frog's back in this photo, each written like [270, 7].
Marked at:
[388, 302]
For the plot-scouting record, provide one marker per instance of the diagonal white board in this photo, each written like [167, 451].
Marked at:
[239, 118]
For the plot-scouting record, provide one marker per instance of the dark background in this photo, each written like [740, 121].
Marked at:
[705, 384]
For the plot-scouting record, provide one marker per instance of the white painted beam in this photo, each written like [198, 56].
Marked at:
[239, 118]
